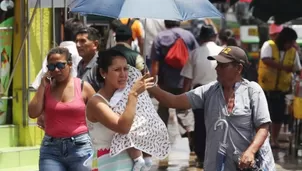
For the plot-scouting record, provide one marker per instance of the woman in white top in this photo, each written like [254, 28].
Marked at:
[103, 122]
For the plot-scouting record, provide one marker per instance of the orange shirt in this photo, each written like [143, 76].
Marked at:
[137, 29]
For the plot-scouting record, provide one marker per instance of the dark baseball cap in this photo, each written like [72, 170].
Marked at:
[231, 54]
[123, 32]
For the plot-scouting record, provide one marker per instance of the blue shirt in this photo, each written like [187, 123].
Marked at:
[168, 76]
[250, 111]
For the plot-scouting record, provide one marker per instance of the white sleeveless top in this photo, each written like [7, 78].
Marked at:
[101, 136]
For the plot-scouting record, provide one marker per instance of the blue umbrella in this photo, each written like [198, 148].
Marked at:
[157, 9]
[221, 154]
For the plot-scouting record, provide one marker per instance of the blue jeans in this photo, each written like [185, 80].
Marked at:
[65, 154]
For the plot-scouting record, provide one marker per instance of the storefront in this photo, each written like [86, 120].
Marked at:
[32, 28]
[28, 29]
[20, 65]
[6, 43]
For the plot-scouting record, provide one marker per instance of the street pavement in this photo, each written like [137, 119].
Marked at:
[180, 159]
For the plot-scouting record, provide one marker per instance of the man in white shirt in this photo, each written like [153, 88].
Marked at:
[71, 27]
[200, 71]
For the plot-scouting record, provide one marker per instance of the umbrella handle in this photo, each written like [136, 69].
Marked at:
[220, 123]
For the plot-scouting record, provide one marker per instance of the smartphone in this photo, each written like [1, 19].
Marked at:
[49, 77]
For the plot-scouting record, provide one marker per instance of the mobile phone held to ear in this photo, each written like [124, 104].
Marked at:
[49, 78]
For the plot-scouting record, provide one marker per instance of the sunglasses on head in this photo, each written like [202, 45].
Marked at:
[59, 65]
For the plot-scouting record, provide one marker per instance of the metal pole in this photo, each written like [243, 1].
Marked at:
[53, 23]
[22, 45]
[41, 34]
[145, 44]
[65, 10]
[21, 52]
[25, 68]
[85, 20]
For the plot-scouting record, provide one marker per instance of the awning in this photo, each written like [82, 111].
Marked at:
[48, 3]
[282, 11]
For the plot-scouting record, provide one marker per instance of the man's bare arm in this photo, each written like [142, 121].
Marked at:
[170, 100]
[187, 84]
[261, 135]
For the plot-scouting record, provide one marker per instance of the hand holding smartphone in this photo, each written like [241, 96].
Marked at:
[155, 80]
[47, 79]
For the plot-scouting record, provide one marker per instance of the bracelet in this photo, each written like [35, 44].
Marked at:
[133, 93]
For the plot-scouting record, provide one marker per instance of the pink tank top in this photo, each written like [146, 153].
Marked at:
[68, 119]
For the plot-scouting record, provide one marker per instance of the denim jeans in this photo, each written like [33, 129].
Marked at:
[65, 154]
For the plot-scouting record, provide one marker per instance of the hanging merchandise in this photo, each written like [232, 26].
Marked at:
[297, 105]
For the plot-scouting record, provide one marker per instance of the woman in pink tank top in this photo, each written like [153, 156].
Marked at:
[62, 98]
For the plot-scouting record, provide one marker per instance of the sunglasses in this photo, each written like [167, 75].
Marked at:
[59, 65]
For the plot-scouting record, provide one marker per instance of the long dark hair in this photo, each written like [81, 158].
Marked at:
[231, 42]
[285, 36]
[105, 60]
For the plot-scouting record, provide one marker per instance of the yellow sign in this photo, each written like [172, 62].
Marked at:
[253, 32]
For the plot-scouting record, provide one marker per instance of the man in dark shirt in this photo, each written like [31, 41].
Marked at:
[123, 45]
[87, 41]
[169, 77]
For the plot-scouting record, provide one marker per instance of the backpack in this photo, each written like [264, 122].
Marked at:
[177, 54]
[110, 38]
[116, 23]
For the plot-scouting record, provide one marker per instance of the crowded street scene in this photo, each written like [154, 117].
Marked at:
[150, 85]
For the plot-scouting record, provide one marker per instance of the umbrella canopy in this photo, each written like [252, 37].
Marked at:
[232, 2]
[157, 9]
[281, 10]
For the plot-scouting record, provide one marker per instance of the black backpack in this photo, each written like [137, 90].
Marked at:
[116, 23]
